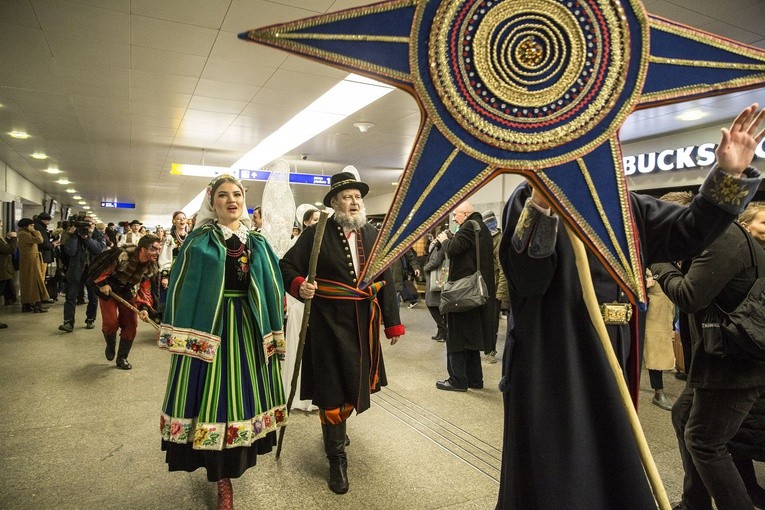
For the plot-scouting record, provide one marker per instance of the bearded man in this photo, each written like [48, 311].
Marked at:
[342, 360]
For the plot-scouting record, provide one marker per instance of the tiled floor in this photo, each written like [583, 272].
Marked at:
[79, 433]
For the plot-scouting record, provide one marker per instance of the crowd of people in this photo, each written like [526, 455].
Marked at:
[219, 297]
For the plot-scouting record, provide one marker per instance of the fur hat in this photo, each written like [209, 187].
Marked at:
[342, 181]
[25, 222]
[44, 216]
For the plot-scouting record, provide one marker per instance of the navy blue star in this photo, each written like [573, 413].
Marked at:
[538, 88]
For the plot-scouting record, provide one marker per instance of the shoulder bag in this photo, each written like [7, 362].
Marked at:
[739, 334]
[467, 293]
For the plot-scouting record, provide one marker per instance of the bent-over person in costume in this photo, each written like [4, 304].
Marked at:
[126, 272]
[342, 360]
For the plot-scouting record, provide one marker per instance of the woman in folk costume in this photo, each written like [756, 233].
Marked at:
[223, 323]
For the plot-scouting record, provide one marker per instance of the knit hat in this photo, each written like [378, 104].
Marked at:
[490, 220]
[25, 222]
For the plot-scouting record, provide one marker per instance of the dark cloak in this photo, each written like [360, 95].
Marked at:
[567, 439]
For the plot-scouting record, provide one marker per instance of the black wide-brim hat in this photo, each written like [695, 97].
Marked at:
[136, 222]
[343, 181]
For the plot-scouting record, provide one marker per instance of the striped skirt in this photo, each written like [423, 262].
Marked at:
[222, 415]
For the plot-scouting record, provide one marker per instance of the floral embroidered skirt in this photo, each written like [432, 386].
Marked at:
[222, 415]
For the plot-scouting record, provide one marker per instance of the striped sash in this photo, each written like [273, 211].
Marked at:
[329, 289]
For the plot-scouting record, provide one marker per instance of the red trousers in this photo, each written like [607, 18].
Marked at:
[114, 316]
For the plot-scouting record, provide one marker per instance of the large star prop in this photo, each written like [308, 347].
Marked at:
[534, 87]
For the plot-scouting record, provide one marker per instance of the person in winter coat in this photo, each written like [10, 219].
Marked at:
[7, 249]
[472, 331]
[31, 278]
[436, 259]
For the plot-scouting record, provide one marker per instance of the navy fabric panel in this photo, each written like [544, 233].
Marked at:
[663, 77]
[571, 181]
[390, 55]
[664, 44]
[395, 22]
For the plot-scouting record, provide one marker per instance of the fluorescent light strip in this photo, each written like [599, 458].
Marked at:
[344, 99]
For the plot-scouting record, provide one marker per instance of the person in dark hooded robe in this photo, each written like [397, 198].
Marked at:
[567, 439]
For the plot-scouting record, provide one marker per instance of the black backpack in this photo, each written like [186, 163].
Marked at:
[745, 325]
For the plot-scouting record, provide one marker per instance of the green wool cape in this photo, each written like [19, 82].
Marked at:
[192, 322]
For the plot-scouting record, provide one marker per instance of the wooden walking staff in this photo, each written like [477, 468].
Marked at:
[133, 308]
[312, 262]
[588, 292]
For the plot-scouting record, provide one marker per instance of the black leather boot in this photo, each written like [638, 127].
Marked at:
[111, 345]
[122, 354]
[334, 446]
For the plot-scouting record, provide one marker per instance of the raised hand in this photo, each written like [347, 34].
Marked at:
[736, 149]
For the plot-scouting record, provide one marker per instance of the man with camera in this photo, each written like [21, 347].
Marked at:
[81, 242]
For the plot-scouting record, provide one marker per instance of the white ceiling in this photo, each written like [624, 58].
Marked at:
[114, 91]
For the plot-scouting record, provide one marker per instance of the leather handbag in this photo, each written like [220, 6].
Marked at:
[467, 293]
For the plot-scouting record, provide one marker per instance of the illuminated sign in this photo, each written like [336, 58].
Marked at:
[246, 175]
[117, 205]
[694, 156]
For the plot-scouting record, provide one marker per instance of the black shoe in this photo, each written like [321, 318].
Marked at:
[27, 308]
[447, 386]
[681, 375]
[436, 336]
[67, 326]
[3, 325]
[440, 336]
[47, 301]
[80, 301]
[39, 309]
[661, 401]
[123, 364]
[90, 323]
[478, 386]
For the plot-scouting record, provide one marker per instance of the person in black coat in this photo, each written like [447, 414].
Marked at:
[471, 332]
[342, 360]
[721, 390]
[567, 440]
[81, 245]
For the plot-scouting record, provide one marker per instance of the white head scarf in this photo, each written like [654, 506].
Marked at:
[206, 213]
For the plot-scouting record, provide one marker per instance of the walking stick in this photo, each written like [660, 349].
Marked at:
[133, 308]
[588, 291]
[306, 315]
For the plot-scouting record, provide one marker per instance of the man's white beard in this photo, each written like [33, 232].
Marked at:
[349, 222]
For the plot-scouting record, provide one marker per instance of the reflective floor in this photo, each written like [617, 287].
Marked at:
[79, 433]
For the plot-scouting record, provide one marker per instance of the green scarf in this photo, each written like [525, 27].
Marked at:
[192, 322]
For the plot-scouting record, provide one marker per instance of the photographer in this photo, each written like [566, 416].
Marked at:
[81, 242]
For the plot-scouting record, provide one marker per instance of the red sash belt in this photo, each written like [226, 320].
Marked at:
[329, 289]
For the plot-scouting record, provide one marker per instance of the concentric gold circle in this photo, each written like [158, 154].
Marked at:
[528, 75]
